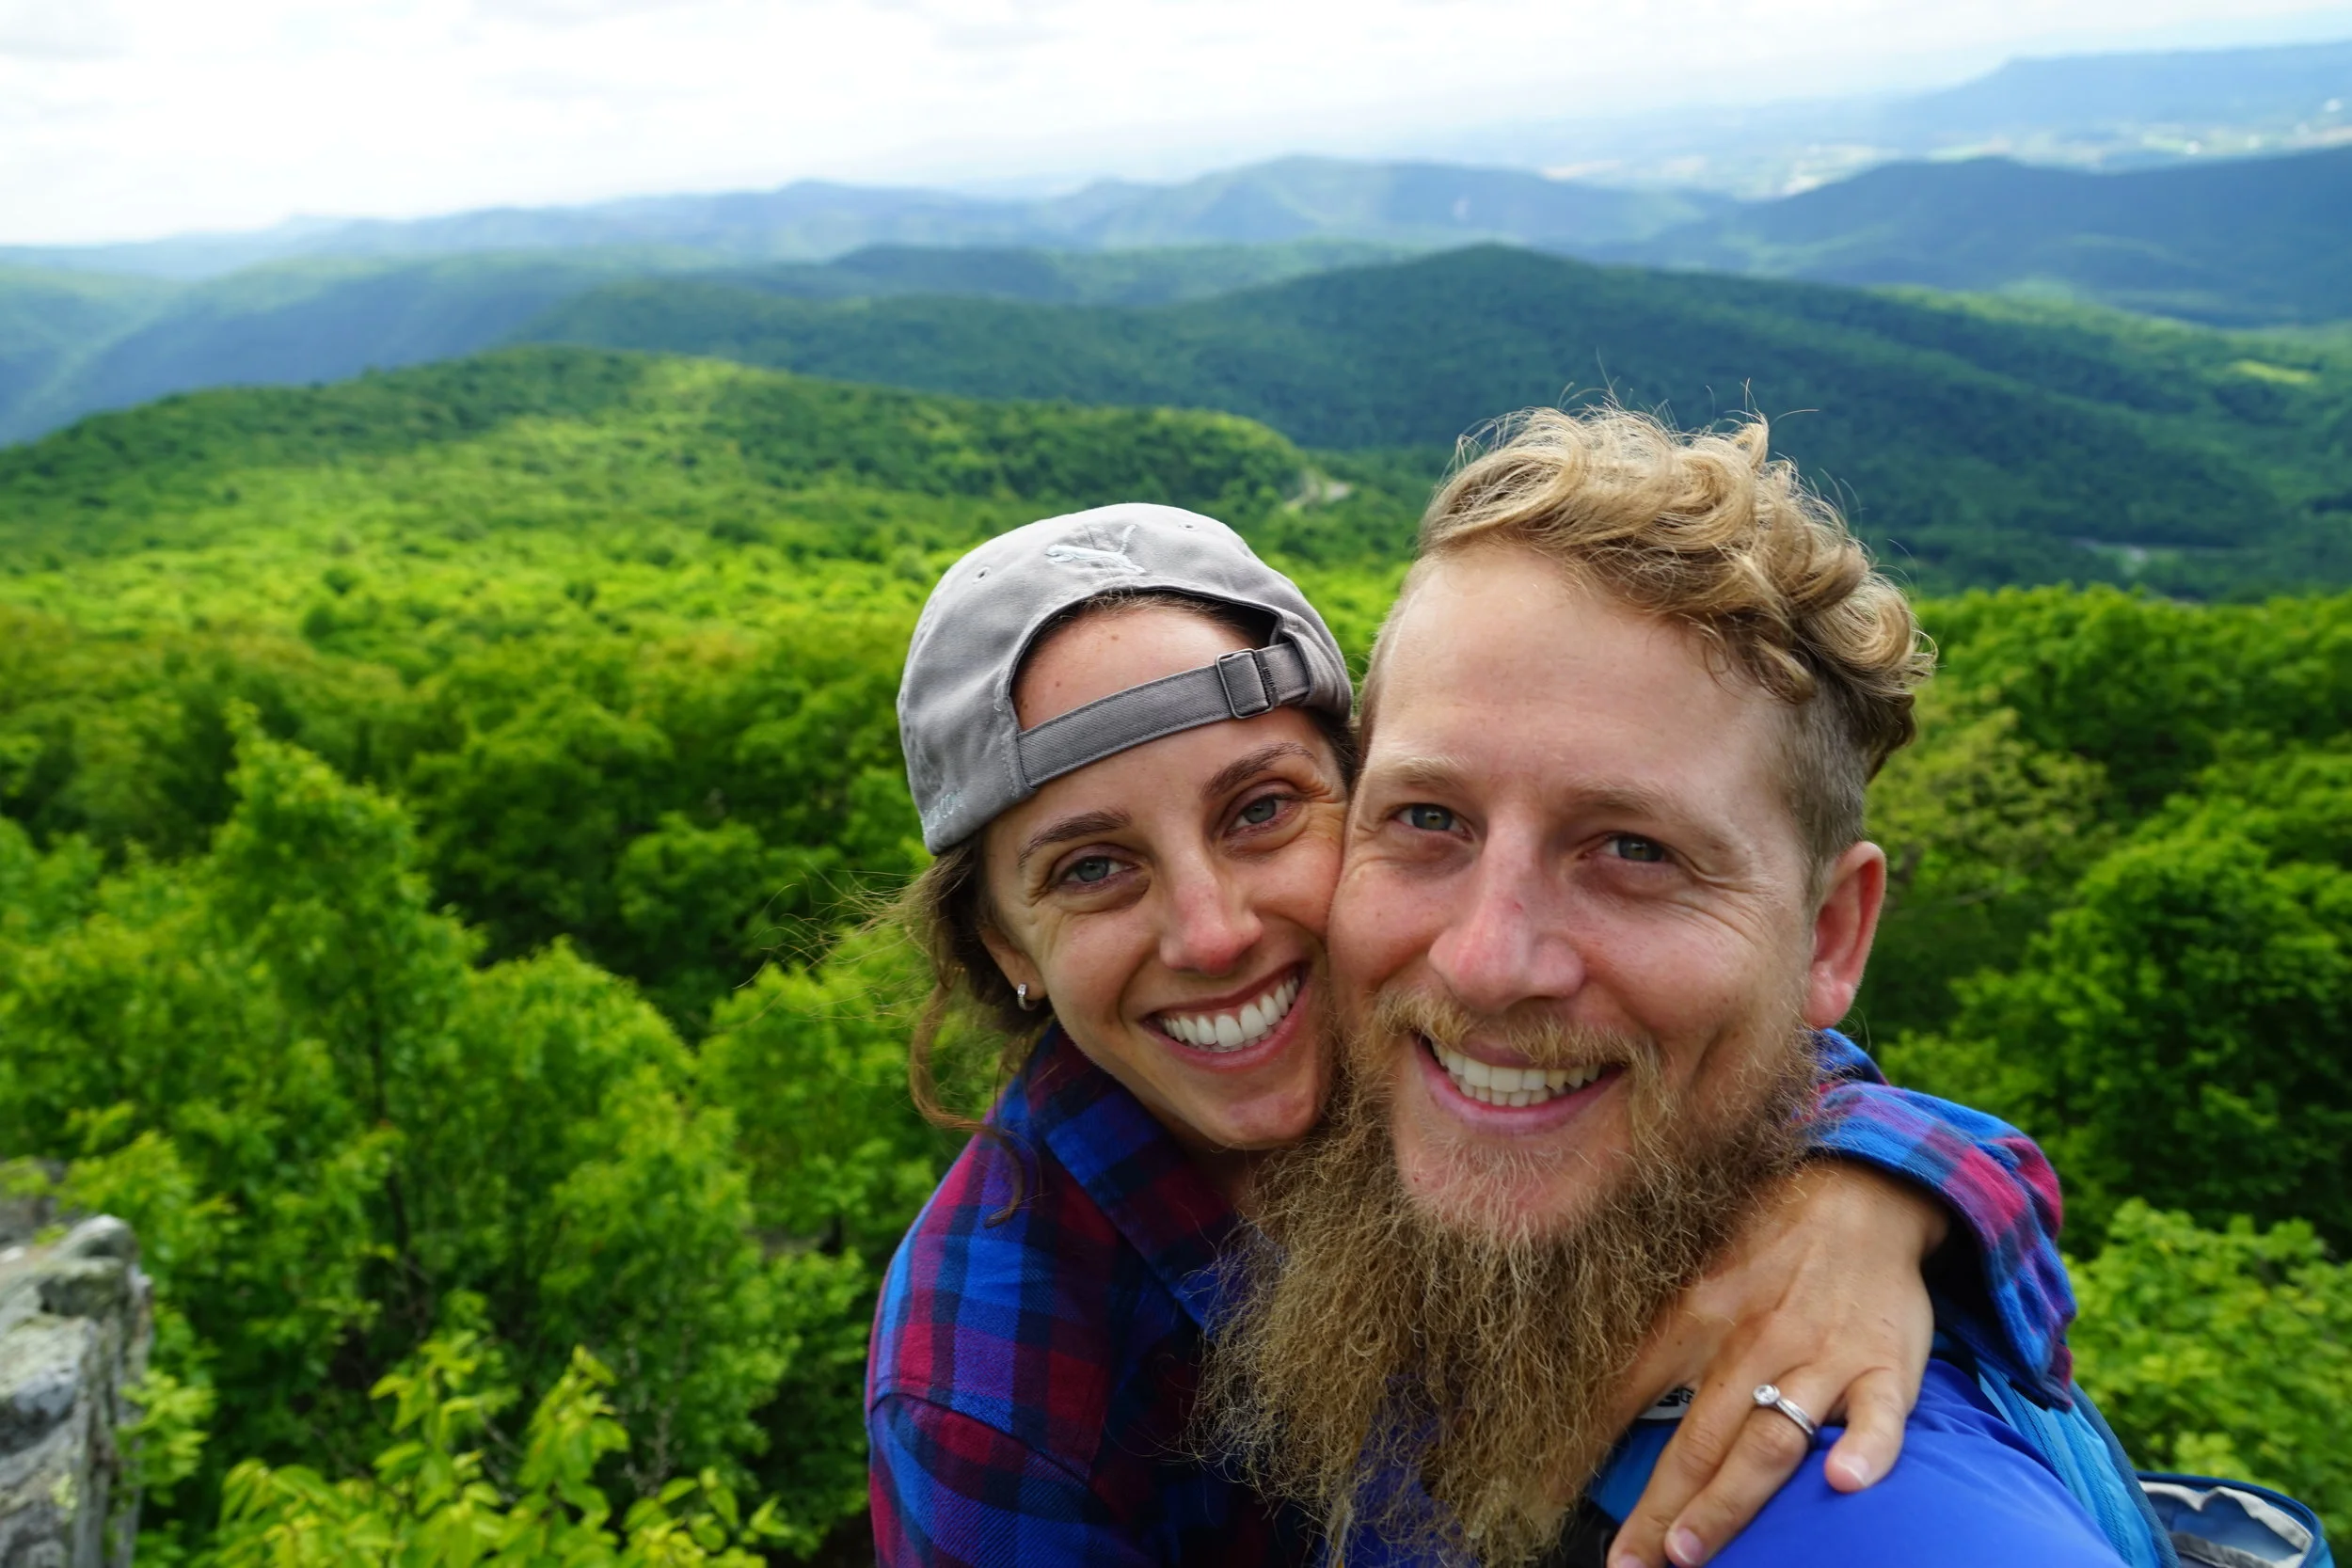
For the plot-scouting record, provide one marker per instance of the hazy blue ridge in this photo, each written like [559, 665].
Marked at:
[1417, 204]
[49, 319]
[291, 322]
[72, 343]
[2246, 242]
[2279, 82]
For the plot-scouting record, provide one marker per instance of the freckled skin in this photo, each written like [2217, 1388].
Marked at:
[1193, 899]
[1565, 810]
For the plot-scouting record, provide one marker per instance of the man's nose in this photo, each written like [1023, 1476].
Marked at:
[1212, 923]
[1506, 941]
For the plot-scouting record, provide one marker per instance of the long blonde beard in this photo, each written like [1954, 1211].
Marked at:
[1372, 1345]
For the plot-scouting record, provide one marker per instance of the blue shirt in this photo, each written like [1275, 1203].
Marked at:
[1968, 1492]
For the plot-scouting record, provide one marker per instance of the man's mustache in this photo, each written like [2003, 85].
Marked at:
[1540, 1038]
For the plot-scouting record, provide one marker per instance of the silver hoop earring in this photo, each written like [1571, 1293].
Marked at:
[1020, 994]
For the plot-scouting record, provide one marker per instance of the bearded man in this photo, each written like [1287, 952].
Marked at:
[1605, 884]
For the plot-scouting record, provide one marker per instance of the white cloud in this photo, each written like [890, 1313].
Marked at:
[48, 30]
[125, 117]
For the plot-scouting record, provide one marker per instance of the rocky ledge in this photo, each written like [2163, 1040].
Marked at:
[75, 1320]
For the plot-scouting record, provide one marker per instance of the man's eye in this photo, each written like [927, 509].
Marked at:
[1092, 869]
[1429, 819]
[1633, 847]
[1262, 810]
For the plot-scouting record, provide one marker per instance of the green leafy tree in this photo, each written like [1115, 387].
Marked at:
[432, 1500]
[812, 1064]
[1985, 836]
[2177, 1031]
[2223, 1352]
[281, 1060]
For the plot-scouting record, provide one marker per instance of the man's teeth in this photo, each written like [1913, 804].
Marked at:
[1231, 1031]
[1510, 1086]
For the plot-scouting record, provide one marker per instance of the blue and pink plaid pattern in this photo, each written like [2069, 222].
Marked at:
[1031, 1378]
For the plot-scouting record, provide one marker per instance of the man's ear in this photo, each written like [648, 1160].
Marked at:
[1843, 930]
[1011, 962]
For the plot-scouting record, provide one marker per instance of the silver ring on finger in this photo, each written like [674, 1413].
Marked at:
[1769, 1397]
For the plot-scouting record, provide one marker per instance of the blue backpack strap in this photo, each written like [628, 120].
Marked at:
[2078, 1446]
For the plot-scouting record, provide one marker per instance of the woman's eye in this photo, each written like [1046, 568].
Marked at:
[1260, 812]
[1633, 847]
[1428, 819]
[1089, 870]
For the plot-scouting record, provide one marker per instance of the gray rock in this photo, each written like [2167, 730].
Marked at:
[75, 1322]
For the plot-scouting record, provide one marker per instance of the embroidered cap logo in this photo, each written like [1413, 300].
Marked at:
[1113, 560]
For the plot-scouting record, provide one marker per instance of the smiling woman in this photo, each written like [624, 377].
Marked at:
[1126, 738]
[1212, 1019]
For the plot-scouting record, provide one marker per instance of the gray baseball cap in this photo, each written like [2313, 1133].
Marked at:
[967, 758]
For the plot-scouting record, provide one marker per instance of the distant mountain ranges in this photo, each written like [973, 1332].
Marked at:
[1379, 310]
[2248, 243]
[2080, 111]
[1418, 204]
[72, 342]
[1974, 441]
[2103, 111]
[2243, 243]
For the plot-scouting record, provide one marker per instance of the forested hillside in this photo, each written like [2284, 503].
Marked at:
[48, 320]
[579, 669]
[72, 343]
[437, 811]
[1976, 443]
[298, 321]
[2247, 242]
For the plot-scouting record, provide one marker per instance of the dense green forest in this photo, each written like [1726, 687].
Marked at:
[437, 813]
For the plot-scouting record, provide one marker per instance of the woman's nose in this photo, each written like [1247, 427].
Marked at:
[1211, 924]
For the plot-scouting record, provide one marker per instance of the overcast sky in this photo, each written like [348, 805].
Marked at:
[129, 119]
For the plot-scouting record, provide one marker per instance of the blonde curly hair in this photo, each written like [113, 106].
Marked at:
[1709, 530]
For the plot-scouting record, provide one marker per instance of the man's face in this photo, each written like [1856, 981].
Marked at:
[1573, 883]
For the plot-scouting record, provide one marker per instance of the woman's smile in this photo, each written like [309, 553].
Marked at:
[1221, 1028]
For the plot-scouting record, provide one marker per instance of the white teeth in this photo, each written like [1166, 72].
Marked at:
[1510, 1087]
[1231, 1031]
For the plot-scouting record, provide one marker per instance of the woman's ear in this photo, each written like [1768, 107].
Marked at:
[1011, 962]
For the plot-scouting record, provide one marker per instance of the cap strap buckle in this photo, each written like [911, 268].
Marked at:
[1249, 689]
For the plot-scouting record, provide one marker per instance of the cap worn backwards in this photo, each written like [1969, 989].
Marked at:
[967, 758]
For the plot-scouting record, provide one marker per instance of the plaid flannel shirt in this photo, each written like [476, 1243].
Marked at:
[1032, 1371]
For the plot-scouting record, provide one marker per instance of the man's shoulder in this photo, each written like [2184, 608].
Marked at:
[1016, 1302]
[1967, 1491]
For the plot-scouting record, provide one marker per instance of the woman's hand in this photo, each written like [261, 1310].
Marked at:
[1822, 1296]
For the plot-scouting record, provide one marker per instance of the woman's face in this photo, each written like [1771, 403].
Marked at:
[1168, 902]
